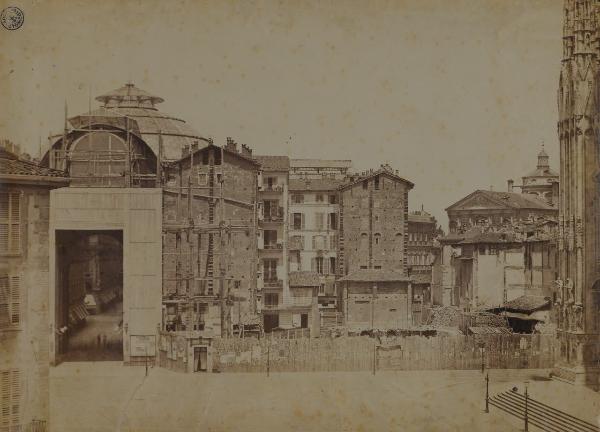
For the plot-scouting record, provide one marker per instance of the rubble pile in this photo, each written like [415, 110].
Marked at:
[445, 316]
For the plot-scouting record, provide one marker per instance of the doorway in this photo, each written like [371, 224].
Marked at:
[89, 295]
[200, 359]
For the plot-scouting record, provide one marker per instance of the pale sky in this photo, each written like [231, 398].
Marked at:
[456, 95]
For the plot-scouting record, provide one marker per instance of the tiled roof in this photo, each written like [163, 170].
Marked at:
[324, 184]
[506, 199]
[273, 163]
[375, 275]
[526, 303]
[10, 164]
[304, 279]
[481, 330]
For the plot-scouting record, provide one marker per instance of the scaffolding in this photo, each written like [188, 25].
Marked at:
[98, 167]
[198, 285]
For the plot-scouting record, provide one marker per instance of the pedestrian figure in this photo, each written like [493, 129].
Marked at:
[104, 341]
[98, 340]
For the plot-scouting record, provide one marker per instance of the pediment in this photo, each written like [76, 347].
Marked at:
[478, 201]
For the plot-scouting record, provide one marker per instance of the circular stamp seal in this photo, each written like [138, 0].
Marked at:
[12, 18]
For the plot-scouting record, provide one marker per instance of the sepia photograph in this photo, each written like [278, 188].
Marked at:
[276, 215]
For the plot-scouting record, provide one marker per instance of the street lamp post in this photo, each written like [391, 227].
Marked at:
[526, 407]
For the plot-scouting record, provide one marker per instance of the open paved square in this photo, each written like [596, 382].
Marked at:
[106, 396]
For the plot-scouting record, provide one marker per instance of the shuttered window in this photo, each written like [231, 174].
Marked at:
[10, 399]
[10, 302]
[10, 223]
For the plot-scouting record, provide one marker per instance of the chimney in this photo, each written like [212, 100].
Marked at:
[246, 151]
[511, 183]
[231, 145]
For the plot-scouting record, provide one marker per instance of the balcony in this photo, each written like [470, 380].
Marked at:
[273, 283]
[273, 247]
[275, 215]
[271, 188]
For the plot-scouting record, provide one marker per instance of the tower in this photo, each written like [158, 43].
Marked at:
[578, 284]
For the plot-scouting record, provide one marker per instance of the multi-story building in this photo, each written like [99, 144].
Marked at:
[578, 286]
[210, 239]
[372, 250]
[313, 232]
[273, 180]
[24, 275]
[420, 248]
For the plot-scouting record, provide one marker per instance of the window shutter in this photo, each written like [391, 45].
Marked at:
[4, 222]
[302, 222]
[15, 294]
[314, 242]
[313, 264]
[10, 398]
[4, 302]
[325, 266]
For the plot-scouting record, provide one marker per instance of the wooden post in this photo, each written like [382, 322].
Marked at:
[487, 393]
[159, 160]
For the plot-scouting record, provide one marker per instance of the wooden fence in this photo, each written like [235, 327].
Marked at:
[363, 353]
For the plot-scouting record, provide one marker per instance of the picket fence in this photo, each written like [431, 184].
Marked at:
[363, 353]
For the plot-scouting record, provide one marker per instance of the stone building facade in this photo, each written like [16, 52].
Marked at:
[210, 253]
[578, 286]
[372, 250]
[24, 291]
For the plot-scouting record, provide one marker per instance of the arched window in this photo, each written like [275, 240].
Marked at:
[98, 158]
[377, 238]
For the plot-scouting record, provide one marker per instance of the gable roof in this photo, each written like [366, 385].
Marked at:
[510, 200]
[381, 171]
[273, 163]
[225, 150]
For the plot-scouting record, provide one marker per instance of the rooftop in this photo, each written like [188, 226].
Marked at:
[273, 163]
[11, 165]
[526, 304]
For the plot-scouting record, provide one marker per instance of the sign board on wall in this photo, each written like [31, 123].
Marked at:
[142, 346]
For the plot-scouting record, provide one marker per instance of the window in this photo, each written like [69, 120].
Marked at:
[363, 267]
[10, 222]
[321, 289]
[319, 220]
[365, 184]
[376, 183]
[333, 199]
[10, 302]
[320, 198]
[202, 178]
[99, 158]
[10, 399]
[333, 221]
[377, 267]
[318, 265]
[377, 238]
[270, 238]
[333, 242]
[297, 221]
[298, 198]
[271, 299]
[270, 270]
[332, 265]
[319, 242]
